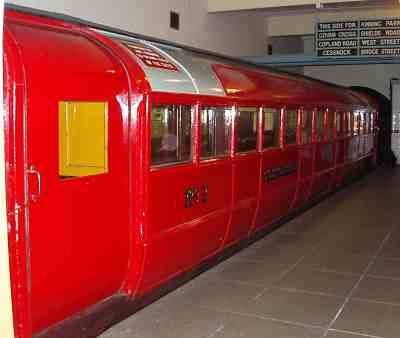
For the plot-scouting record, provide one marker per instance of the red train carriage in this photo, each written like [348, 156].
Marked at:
[131, 162]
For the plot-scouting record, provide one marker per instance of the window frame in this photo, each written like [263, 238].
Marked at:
[194, 137]
[201, 108]
[283, 126]
[235, 134]
[356, 117]
[262, 136]
[328, 113]
[339, 135]
[310, 113]
[318, 138]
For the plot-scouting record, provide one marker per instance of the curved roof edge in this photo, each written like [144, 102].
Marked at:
[105, 29]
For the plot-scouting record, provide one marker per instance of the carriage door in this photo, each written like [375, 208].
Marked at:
[76, 172]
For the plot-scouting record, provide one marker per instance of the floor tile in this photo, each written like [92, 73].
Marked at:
[385, 268]
[337, 261]
[332, 283]
[338, 334]
[248, 327]
[379, 289]
[219, 294]
[171, 322]
[295, 307]
[288, 254]
[391, 249]
[259, 273]
[370, 318]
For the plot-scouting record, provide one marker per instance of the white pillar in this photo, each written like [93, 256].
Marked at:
[6, 319]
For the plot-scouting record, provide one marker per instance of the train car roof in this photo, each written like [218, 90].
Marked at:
[175, 68]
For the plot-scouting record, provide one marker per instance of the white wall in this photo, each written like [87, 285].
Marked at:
[292, 23]
[238, 34]
[373, 76]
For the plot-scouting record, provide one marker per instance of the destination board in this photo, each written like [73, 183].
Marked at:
[354, 38]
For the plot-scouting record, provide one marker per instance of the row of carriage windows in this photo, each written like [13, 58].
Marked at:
[172, 129]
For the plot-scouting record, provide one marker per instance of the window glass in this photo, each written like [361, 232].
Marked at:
[372, 119]
[306, 126]
[356, 123]
[290, 126]
[319, 125]
[329, 124]
[350, 123]
[338, 123]
[171, 134]
[247, 129]
[362, 122]
[367, 123]
[272, 122]
[215, 126]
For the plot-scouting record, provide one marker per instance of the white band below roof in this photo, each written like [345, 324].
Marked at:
[6, 318]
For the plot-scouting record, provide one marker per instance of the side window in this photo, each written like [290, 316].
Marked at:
[329, 125]
[319, 125]
[272, 122]
[362, 123]
[171, 134]
[290, 126]
[306, 126]
[356, 123]
[215, 128]
[247, 130]
[372, 119]
[350, 121]
[367, 123]
[339, 124]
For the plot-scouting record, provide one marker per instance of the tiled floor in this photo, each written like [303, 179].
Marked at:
[332, 272]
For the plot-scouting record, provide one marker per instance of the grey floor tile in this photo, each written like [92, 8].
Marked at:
[379, 289]
[391, 249]
[339, 334]
[337, 261]
[336, 284]
[283, 239]
[258, 273]
[288, 254]
[220, 294]
[353, 244]
[248, 327]
[295, 307]
[362, 317]
[172, 321]
[385, 268]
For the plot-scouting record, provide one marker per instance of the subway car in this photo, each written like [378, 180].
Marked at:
[132, 164]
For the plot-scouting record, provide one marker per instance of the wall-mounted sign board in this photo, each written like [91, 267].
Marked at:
[370, 38]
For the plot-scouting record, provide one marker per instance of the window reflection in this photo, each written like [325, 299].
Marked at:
[356, 123]
[215, 131]
[338, 124]
[306, 126]
[290, 126]
[247, 130]
[329, 125]
[320, 125]
[171, 134]
[272, 121]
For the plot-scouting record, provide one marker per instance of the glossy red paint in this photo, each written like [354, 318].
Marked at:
[128, 232]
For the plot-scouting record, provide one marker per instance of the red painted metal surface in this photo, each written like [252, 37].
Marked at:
[127, 232]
